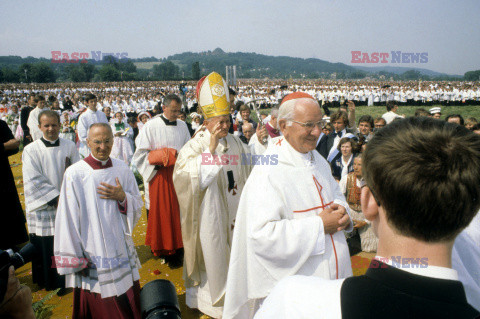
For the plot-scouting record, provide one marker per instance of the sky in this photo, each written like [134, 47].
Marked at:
[448, 31]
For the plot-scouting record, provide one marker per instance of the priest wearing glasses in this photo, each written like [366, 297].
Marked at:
[290, 216]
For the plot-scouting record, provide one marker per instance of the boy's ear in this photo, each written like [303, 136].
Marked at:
[369, 204]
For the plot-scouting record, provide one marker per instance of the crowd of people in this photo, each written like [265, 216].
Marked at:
[245, 204]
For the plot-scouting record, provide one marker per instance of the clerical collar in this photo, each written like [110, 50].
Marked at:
[50, 143]
[98, 164]
[168, 122]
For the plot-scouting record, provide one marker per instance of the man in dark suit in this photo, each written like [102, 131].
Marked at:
[24, 114]
[327, 147]
[421, 190]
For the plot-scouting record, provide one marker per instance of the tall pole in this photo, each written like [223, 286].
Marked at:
[227, 68]
[234, 75]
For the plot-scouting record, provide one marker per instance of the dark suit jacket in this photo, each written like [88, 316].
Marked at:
[331, 139]
[24, 113]
[337, 166]
[326, 143]
[322, 146]
[387, 292]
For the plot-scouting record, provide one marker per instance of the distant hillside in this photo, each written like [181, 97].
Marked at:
[400, 70]
[253, 65]
[190, 65]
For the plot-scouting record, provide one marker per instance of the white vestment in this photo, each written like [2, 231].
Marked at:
[256, 147]
[306, 297]
[90, 227]
[208, 200]
[154, 135]
[301, 297]
[278, 232]
[86, 119]
[43, 169]
[466, 260]
[390, 116]
[122, 148]
[32, 123]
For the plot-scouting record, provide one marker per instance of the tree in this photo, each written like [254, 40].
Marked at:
[472, 76]
[196, 71]
[357, 75]
[76, 73]
[109, 73]
[127, 66]
[166, 71]
[26, 70]
[89, 70]
[10, 76]
[411, 75]
[43, 73]
[110, 60]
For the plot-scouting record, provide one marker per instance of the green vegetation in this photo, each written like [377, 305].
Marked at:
[377, 111]
[41, 309]
[190, 66]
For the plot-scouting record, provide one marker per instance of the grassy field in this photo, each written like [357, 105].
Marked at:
[146, 65]
[377, 111]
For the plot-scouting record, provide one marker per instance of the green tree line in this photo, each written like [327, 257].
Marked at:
[191, 66]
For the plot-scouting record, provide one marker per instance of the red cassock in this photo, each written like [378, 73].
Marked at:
[90, 305]
[164, 233]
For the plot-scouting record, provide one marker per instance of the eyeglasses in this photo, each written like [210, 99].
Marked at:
[310, 126]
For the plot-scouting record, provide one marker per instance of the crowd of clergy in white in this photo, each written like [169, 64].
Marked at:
[143, 96]
[244, 227]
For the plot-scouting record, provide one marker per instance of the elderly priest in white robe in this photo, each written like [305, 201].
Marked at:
[291, 215]
[44, 163]
[99, 205]
[209, 176]
[411, 275]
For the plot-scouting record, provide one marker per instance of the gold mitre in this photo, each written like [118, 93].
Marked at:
[212, 96]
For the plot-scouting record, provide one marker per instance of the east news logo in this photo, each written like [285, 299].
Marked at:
[394, 56]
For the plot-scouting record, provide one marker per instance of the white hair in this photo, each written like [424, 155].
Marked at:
[274, 112]
[287, 110]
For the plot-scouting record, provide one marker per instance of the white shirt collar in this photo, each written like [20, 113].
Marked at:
[103, 162]
[51, 142]
[426, 271]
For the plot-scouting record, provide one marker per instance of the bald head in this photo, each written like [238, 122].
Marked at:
[100, 140]
[248, 130]
[98, 126]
